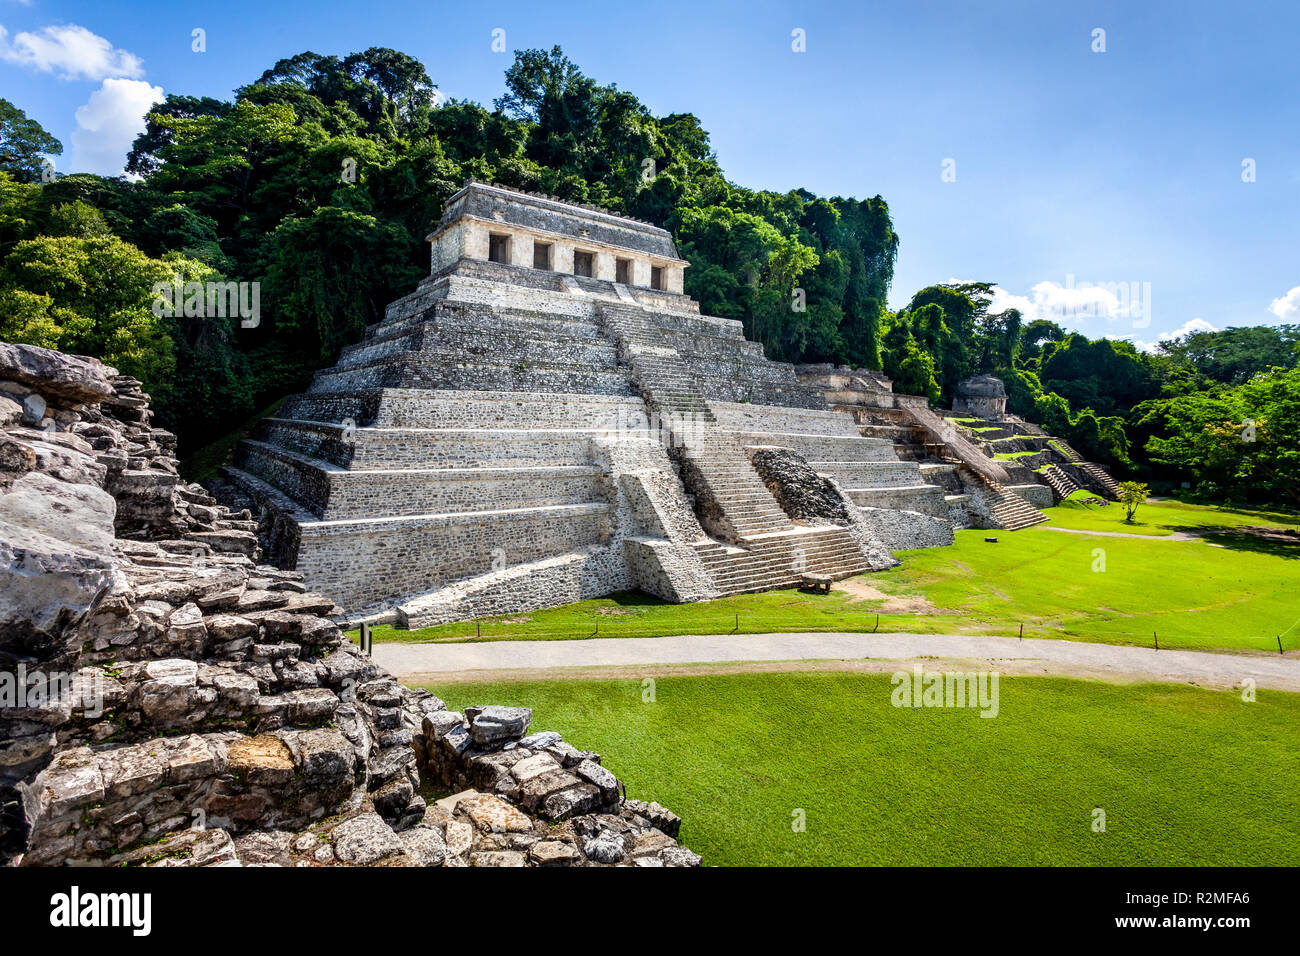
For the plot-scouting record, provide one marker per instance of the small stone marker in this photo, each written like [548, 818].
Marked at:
[817, 582]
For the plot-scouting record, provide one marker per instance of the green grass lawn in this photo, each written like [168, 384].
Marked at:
[1185, 776]
[632, 614]
[1013, 455]
[1162, 517]
[1191, 594]
[1224, 591]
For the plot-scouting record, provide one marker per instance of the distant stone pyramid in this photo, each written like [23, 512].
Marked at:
[547, 418]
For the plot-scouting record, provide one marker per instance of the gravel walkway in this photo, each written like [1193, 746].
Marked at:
[883, 652]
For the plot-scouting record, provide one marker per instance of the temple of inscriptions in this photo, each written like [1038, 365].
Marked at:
[547, 418]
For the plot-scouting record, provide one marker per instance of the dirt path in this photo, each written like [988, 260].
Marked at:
[691, 654]
[859, 590]
[1172, 536]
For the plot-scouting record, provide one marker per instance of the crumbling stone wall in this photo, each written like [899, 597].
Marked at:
[167, 700]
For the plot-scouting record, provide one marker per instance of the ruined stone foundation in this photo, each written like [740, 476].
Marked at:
[168, 699]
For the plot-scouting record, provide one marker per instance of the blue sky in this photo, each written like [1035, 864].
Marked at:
[1102, 189]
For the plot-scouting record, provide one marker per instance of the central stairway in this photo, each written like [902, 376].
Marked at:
[756, 546]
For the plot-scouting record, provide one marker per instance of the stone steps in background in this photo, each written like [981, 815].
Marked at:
[398, 448]
[409, 371]
[331, 492]
[1009, 510]
[1061, 484]
[824, 447]
[1101, 479]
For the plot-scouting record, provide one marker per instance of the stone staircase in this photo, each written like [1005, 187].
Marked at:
[1062, 485]
[781, 559]
[1064, 470]
[1008, 509]
[733, 485]
[1108, 485]
[1069, 453]
[759, 547]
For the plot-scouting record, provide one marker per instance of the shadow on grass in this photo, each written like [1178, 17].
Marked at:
[1278, 515]
[635, 599]
[1275, 542]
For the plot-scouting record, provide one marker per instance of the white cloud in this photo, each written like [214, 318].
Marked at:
[1150, 347]
[1065, 302]
[1076, 302]
[71, 51]
[1073, 302]
[109, 123]
[1003, 300]
[1188, 327]
[1287, 307]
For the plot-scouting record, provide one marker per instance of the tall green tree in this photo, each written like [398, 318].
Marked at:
[332, 272]
[1233, 355]
[1239, 443]
[91, 296]
[22, 141]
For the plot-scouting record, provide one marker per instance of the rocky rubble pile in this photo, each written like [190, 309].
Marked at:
[166, 700]
[79, 421]
[801, 492]
[581, 816]
[806, 496]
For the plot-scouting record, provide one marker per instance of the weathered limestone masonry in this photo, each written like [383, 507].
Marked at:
[166, 700]
[939, 465]
[981, 396]
[997, 469]
[693, 373]
[1045, 467]
[548, 418]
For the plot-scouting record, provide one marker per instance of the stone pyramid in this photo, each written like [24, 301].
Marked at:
[548, 418]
